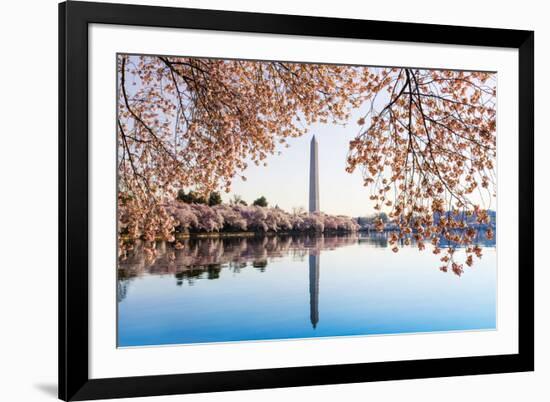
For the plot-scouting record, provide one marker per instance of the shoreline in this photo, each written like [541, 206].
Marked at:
[207, 235]
[250, 234]
[215, 235]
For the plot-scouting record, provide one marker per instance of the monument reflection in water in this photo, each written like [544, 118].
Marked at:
[314, 289]
[256, 288]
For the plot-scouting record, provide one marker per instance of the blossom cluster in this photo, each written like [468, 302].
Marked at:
[239, 218]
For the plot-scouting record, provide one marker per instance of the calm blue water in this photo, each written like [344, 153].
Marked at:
[216, 290]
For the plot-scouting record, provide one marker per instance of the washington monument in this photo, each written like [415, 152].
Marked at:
[313, 177]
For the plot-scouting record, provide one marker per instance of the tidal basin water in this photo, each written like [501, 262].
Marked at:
[281, 287]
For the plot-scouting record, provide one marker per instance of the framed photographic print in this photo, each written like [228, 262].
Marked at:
[257, 201]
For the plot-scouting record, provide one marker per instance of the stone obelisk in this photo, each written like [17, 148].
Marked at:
[313, 177]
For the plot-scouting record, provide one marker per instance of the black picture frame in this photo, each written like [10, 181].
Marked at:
[74, 381]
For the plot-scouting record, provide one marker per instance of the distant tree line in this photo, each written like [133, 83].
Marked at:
[372, 219]
[454, 220]
[193, 197]
[215, 198]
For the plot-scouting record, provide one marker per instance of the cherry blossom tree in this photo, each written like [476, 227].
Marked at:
[426, 150]
[232, 218]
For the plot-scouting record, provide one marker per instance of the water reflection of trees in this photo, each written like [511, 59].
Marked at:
[206, 257]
